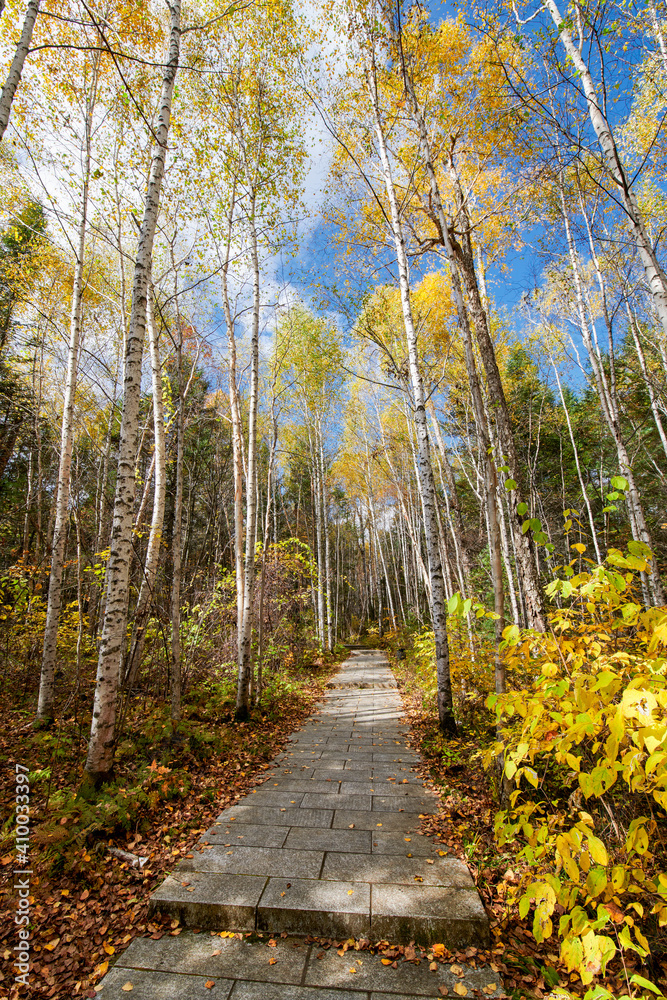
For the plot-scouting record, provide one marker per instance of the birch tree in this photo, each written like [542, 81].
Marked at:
[99, 761]
[363, 34]
[46, 699]
[16, 69]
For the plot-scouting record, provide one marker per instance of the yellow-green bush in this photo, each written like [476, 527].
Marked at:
[585, 747]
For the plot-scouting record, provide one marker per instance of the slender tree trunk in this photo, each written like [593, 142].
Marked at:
[46, 699]
[491, 484]
[655, 409]
[525, 558]
[99, 762]
[176, 545]
[265, 542]
[609, 405]
[461, 256]
[317, 510]
[16, 68]
[245, 658]
[327, 540]
[149, 577]
[446, 718]
[237, 439]
[655, 276]
[575, 450]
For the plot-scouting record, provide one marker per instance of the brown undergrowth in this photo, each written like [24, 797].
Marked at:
[87, 905]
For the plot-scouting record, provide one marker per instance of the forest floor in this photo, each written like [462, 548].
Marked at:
[87, 905]
[466, 825]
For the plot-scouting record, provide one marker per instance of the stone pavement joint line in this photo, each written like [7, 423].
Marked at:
[328, 846]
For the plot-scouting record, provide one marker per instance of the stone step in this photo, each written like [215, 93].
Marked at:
[193, 966]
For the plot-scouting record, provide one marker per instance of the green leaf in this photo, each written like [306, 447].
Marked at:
[510, 484]
[619, 483]
[646, 984]
[522, 508]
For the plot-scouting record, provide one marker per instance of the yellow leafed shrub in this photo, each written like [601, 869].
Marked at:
[585, 747]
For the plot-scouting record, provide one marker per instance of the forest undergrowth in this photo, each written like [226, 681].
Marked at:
[572, 868]
[88, 904]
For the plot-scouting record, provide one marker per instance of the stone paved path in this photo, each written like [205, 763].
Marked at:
[327, 846]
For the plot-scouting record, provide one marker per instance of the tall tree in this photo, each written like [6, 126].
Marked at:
[99, 760]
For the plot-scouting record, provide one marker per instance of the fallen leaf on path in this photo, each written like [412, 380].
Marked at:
[127, 987]
[209, 984]
[461, 990]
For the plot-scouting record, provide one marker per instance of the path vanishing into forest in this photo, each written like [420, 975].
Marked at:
[328, 846]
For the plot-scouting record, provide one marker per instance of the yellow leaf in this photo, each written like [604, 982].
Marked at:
[350, 891]
[102, 968]
[109, 948]
[461, 990]
[127, 987]
[386, 961]
[52, 944]
[597, 851]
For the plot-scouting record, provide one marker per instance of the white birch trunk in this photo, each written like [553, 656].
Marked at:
[446, 718]
[46, 699]
[176, 544]
[655, 276]
[582, 484]
[99, 762]
[16, 68]
[245, 658]
[609, 407]
[237, 439]
[655, 409]
[159, 494]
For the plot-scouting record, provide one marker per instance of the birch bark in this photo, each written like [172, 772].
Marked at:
[655, 276]
[609, 406]
[245, 657]
[16, 68]
[159, 494]
[446, 718]
[46, 698]
[99, 761]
